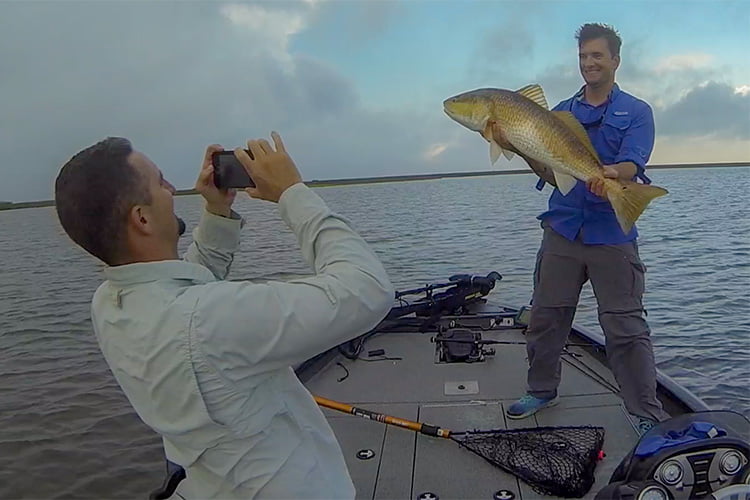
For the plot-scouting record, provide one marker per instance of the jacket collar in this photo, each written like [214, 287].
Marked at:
[145, 272]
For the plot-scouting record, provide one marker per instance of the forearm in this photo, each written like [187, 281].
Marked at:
[277, 324]
[325, 238]
[215, 241]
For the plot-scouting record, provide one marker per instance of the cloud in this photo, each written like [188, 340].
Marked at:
[559, 82]
[683, 62]
[699, 149]
[687, 92]
[219, 74]
[502, 48]
[435, 150]
[274, 27]
[714, 109]
[371, 19]
[176, 76]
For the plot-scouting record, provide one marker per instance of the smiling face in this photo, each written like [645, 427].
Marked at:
[596, 62]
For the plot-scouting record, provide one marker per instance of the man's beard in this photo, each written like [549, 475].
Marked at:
[180, 226]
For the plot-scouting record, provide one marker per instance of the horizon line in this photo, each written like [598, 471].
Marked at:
[9, 205]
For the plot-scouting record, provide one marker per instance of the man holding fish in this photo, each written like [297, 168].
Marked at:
[591, 147]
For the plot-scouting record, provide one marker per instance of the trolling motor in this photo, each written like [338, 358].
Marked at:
[453, 297]
[460, 291]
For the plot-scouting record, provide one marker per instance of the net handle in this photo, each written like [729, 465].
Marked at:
[430, 430]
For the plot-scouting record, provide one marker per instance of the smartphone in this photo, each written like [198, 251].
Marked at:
[229, 172]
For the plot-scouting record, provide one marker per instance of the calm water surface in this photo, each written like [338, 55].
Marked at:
[67, 431]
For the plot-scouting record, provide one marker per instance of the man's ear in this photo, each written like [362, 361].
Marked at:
[617, 61]
[140, 220]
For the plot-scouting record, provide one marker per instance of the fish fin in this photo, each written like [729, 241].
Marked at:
[495, 151]
[630, 199]
[535, 93]
[488, 130]
[575, 126]
[564, 182]
[508, 150]
[500, 139]
[541, 170]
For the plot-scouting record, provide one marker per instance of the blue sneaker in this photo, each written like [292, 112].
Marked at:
[644, 425]
[528, 405]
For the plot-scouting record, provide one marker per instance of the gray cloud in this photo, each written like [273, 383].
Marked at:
[174, 78]
[560, 82]
[501, 51]
[372, 19]
[684, 105]
[713, 109]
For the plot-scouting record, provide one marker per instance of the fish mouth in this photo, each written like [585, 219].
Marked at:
[448, 112]
[451, 113]
[447, 106]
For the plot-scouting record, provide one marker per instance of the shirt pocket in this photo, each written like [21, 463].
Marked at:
[614, 129]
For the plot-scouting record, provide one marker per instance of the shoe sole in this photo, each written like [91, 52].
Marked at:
[529, 413]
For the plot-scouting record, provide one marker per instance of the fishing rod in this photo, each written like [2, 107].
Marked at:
[430, 430]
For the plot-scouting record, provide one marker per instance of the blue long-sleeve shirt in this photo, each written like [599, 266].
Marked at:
[621, 129]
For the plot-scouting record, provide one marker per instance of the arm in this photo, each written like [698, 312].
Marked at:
[635, 151]
[217, 236]
[215, 241]
[277, 324]
[636, 146]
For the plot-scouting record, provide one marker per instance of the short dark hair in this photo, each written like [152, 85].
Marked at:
[591, 31]
[94, 192]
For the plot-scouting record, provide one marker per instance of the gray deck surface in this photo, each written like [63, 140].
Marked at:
[407, 464]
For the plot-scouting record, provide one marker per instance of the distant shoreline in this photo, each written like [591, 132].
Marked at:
[394, 178]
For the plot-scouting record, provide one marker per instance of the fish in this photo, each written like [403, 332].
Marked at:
[553, 143]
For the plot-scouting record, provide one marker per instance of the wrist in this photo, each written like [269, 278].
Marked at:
[290, 189]
[220, 210]
[625, 170]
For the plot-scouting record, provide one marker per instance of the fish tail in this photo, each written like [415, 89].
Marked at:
[630, 199]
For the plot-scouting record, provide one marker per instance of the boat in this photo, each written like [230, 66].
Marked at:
[444, 363]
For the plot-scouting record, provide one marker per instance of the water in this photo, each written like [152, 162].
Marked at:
[66, 430]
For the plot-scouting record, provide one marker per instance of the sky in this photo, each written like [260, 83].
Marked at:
[354, 87]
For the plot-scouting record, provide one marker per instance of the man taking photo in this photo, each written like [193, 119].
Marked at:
[205, 362]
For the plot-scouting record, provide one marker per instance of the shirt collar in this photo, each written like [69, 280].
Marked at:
[612, 93]
[145, 272]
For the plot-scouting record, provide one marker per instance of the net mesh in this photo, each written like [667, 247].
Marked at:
[557, 461]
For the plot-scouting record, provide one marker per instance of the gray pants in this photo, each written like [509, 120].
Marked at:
[617, 278]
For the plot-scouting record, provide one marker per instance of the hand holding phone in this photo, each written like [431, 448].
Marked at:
[272, 169]
[229, 172]
[218, 201]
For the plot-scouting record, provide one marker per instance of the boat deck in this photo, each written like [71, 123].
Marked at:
[457, 396]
